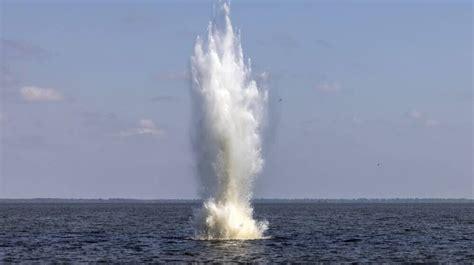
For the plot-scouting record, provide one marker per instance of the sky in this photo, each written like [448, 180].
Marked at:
[376, 97]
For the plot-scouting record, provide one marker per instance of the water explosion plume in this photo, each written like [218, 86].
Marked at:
[228, 109]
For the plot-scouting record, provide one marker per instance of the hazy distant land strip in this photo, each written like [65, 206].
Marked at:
[359, 200]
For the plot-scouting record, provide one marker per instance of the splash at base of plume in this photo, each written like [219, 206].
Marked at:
[228, 108]
[227, 221]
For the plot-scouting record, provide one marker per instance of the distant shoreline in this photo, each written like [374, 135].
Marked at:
[360, 200]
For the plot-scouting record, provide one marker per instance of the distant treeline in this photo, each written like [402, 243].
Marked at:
[360, 200]
[366, 200]
[111, 200]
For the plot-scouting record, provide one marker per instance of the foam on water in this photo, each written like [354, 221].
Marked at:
[228, 108]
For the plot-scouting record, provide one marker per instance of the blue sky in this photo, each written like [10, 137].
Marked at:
[376, 97]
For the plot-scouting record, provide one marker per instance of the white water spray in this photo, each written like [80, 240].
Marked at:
[228, 110]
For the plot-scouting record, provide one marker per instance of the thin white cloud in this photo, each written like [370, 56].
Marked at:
[33, 93]
[432, 123]
[328, 87]
[145, 127]
[415, 114]
[420, 118]
[19, 50]
[357, 120]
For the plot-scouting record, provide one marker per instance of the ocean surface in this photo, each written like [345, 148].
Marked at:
[299, 232]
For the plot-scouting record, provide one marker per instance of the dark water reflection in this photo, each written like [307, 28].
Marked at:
[299, 233]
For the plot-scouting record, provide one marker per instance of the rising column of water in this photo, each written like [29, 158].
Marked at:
[228, 109]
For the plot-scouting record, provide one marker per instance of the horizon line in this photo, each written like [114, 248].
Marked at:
[253, 199]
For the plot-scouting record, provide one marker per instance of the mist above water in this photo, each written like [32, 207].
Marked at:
[228, 110]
